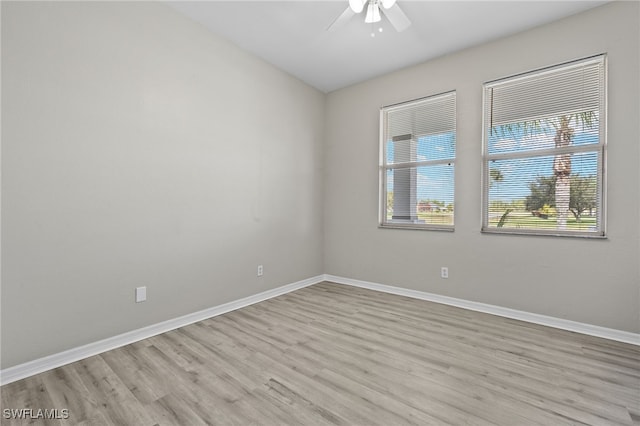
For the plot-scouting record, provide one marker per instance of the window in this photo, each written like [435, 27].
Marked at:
[544, 151]
[417, 154]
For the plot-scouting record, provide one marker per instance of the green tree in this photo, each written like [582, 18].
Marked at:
[495, 176]
[543, 191]
[582, 194]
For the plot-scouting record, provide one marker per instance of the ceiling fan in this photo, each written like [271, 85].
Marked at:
[389, 8]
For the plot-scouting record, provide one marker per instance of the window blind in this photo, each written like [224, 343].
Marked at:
[544, 151]
[420, 118]
[570, 89]
[417, 163]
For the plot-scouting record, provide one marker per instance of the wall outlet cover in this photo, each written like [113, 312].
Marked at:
[141, 294]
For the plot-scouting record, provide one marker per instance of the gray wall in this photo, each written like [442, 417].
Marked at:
[591, 281]
[139, 149]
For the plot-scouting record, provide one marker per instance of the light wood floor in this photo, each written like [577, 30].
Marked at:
[333, 354]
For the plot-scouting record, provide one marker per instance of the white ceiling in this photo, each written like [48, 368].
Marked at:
[292, 34]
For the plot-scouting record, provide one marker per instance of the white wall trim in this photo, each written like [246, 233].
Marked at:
[563, 324]
[40, 365]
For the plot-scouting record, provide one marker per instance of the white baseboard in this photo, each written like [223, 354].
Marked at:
[40, 365]
[578, 327]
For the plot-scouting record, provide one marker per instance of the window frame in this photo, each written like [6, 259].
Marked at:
[383, 222]
[600, 148]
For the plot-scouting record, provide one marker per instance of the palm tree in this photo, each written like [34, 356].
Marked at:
[564, 127]
[562, 170]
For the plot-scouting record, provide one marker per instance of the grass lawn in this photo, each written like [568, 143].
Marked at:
[440, 218]
[437, 218]
[515, 220]
[524, 220]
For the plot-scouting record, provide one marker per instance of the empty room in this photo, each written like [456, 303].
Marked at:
[349, 212]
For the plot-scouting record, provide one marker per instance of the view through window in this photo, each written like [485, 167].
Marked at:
[418, 149]
[544, 151]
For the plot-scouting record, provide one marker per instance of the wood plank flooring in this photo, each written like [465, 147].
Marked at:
[336, 355]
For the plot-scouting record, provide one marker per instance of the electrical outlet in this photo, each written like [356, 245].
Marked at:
[444, 272]
[141, 294]
[260, 270]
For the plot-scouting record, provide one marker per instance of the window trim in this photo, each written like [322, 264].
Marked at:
[382, 168]
[601, 149]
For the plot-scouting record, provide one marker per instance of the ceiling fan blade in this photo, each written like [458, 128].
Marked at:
[341, 20]
[396, 16]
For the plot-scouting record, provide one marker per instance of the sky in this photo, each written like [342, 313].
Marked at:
[519, 173]
[436, 182]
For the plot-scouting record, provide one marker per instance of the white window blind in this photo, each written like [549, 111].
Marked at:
[544, 151]
[417, 154]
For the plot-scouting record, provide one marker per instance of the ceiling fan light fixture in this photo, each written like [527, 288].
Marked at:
[357, 5]
[388, 3]
[373, 13]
